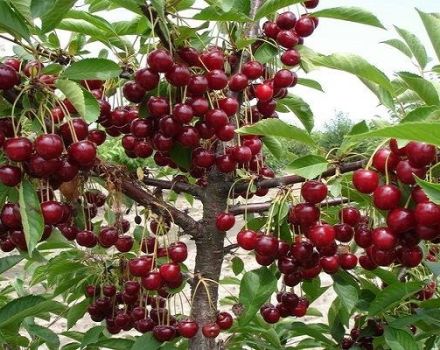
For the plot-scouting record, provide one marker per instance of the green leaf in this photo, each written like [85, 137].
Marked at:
[347, 294]
[315, 330]
[11, 22]
[49, 337]
[274, 145]
[424, 132]
[76, 312]
[82, 100]
[353, 64]
[181, 156]
[23, 7]
[276, 127]
[300, 108]
[256, 287]
[30, 305]
[92, 68]
[146, 341]
[159, 6]
[398, 339]
[422, 87]
[31, 217]
[432, 26]
[399, 45]
[313, 84]
[352, 14]
[432, 190]
[8, 262]
[51, 18]
[92, 335]
[266, 53]
[115, 343]
[270, 7]
[313, 289]
[214, 13]
[309, 166]
[392, 295]
[415, 45]
[424, 113]
[237, 265]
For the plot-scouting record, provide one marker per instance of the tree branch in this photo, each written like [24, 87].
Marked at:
[293, 179]
[262, 207]
[176, 186]
[133, 189]
[152, 16]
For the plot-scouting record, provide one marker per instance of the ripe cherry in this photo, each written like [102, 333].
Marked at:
[124, 243]
[133, 92]
[405, 172]
[183, 113]
[147, 79]
[13, 63]
[199, 105]
[383, 238]
[189, 137]
[311, 4]
[178, 75]
[225, 163]
[217, 79]
[283, 78]
[400, 220]
[420, 154]
[18, 149]
[247, 239]
[427, 214]
[213, 59]
[178, 252]
[287, 39]
[350, 216]
[224, 221]
[211, 330]
[82, 153]
[264, 92]
[418, 195]
[343, 232]
[97, 136]
[291, 58]
[190, 56]
[49, 146]
[164, 333]
[108, 236]
[386, 197]
[267, 245]
[271, 29]
[10, 216]
[271, 314]
[365, 181]
[330, 264]
[224, 320]
[141, 128]
[197, 85]
[187, 328]
[305, 26]
[238, 82]
[160, 61]
[170, 272]
[322, 235]
[10, 175]
[86, 239]
[411, 256]
[158, 106]
[229, 105]
[241, 154]
[314, 191]
[252, 69]
[383, 159]
[225, 133]
[348, 261]
[8, 77]
[140, 267]
[216, 118]
[304, 214]
[52, 212]
[286, 20]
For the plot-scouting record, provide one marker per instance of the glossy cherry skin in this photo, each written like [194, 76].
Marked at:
[225, 163]
[314, 191]
[291, 58]
[420, 154]
[386, 197]
[242, 154]
[427, 214]
[82, 153]
[198, 85]
[8, 77]
[189, 137]
[348, 261]
[264, 92]
[86, 239]
[178, 75]
[18, 149]
[187, 328]
[343, 232]
[350, 216]
[164, 333]
[286, 20]
[52, 212]
[49, 146]
[271, 29]
[10, 216]
[147, 79]
[133, 92]
[365, 181]
[305, 26]
[10, 175]
[411, 256]
[405, 172]
[140, 267]
[271, 314]
[247, 239]
[287, 39]
[383, 238]
[224, 221]
[418, 195]
[400, 220]
[311, 4]
[97, 136]
[304, 214]
[224, 320]
[229, 105]
[322, 235]
[267, 245]
[160, 61]
[170, 272]
[252, 69]
[330, 264]
[383, 159]
[211, 330]
[238, 82]
[217, 79]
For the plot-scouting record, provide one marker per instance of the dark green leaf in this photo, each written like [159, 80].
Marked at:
[92, 68]
[51, 18]
[392, 295]
[422, 87]
[146, 341]
[309, 166]
[159, 6]
[92, 335]
[237, 265]
[115, 343]
[8, 262]
[313, 289]
[256, 287]
[347, 294]
[386, 276]
[317, 331]
[23, 7]
[276, 127]
[415, 45]
[214, 13]
[76, 312]
[399, 45]
[31, 217]
[432, 26]
[274, 145]
[398, 339]
[266, 53]
[49, 337]
[82, 100]
[181, 156]
[352, 14]
[12, 22]
[300, 108]
[432, 190]
[270, 7]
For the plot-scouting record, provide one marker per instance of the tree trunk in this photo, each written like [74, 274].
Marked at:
[209, 260]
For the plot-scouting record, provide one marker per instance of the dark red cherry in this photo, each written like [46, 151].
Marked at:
[418, 195]
[133, 92]
[124, 243]
[366, 262]
[10, 175]
[420, 154]
[348, 261]
[242, 154]
[264, 92]
[252, 69]
[271, 29]
[8, 77]
[217, 79]
[287, 39]
[291, 58]
[383, 159]
[183, 113]
[216, 118]
[49, 146]
[160, 61]
[311, 4]
[52, 212]
[305, 26]
[304, 214]
[405, 172]
[211, 330]
[86, 239]
[225, 163]
[213, 59]
[314, 191]
[189, 137]
[271, 314]
[411, 256]
[170, 272]
[225, 133]
[187, 328]
[142, 128]
[247, 239]
[199, 105]
[178, 75]
[350, 216]
[344, 232]
[286, 20]
[13, 62]
[322, 235]
[147, 79]
[108, 237]
[224, 320]
[400, 220]
[330, 264]
[267, 246]
[97, 136]
[82, 153]
[18, 149]
[365, 181]
[140, 267]
[158, 106]
[164, 333]
[198, 85]
[427, 214]
[383, 238]
[80, 128]
[229, 105]
[178, 252]
[190, 56]
[238, 82]
[283, 78]
[386, 197]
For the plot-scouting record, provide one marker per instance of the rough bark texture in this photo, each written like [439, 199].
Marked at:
[209, 260]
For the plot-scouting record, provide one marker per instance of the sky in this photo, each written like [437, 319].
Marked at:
[343, 92]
